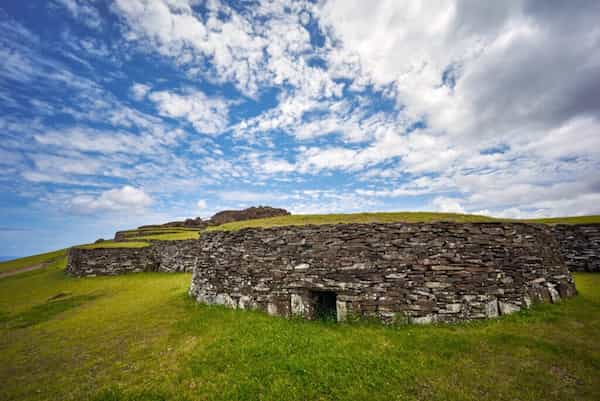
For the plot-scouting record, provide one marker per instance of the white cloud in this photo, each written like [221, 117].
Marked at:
[175, 31]
[66, 165]
[447, 205]
[126, 199]
[139, 91]
[208, 115]
[468, 106]
[473, 70]
[261, 46]
[90, 140]
[251, 196]
[201, 204]
[83, 11]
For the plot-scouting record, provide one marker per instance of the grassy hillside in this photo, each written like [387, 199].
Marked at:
[14, 265]
[139, 337]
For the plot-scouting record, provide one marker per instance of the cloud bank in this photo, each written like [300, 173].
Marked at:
[135, 106]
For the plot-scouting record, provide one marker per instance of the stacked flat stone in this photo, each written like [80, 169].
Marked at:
[422, 272]
[160, 256]
[579, 246]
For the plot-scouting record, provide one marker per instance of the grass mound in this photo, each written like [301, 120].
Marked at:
[139, 337]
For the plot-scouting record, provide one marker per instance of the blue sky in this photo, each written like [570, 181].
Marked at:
[120, 113]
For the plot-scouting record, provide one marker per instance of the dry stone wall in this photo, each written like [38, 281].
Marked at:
[421, 272]
[160, 256]
[176, 256]
[110, 261]
[579, 246]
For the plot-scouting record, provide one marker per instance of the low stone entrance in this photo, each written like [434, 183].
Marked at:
[325, 305]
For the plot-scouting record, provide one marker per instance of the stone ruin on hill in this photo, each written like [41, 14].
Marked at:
[260, 212]
[227, 216]
[422, 272]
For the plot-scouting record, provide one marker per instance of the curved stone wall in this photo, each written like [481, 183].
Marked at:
[160, 256]
[421, 272]
[579, 246]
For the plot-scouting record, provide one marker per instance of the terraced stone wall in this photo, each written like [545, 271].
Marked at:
[421, 272]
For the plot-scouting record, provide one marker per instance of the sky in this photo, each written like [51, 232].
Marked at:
[119, 113]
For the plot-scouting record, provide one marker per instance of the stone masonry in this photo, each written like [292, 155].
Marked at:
[160, 256]
[421, 272]
[579, 246]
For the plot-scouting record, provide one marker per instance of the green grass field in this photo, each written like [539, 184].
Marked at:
[14, 265]
[139, 337]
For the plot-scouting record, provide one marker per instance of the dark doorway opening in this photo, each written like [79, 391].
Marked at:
[325, 305]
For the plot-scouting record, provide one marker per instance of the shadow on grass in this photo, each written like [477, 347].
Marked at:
[44, 312]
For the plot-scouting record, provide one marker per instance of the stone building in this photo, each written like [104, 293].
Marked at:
[579, 246]
[421, 272]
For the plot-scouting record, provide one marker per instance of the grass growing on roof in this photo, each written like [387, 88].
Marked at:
[113, 244]
[139, 337]
[169, 236]
[392, 217]
[158, 229]
[567, 220]
[303, 219]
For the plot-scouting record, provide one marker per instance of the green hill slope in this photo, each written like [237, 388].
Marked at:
[139, 337]
[17, 264]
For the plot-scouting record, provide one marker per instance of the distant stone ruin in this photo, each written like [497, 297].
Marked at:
[225, 216]
[260, 212]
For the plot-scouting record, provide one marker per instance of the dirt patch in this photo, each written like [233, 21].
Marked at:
[29, 268]
[24, 269]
